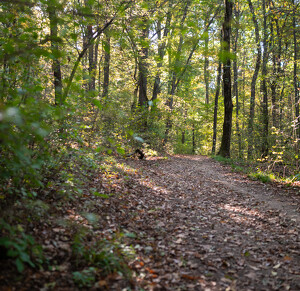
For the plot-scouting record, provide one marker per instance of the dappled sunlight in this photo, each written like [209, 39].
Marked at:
[243, 215]
[242, 210]
[126, 168]
[154, 187]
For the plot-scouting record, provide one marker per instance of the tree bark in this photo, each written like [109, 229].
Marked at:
[106, 66]
[235, 81]
[143, 72]
[206, 64]
[227, 125]
[216, 108]
[161, 53]
[56, 66]
[92, 63]
[217, 93]
[253, 83]
[296, 82]
[265, 116]
[277, 70]
[193, 139]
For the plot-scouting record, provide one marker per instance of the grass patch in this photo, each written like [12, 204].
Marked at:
[263, 177]
[226, 161]
[251, 170]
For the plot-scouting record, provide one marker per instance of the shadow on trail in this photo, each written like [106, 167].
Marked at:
[206, 234]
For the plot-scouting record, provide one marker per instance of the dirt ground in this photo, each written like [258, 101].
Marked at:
[217, 230]
[193, 225]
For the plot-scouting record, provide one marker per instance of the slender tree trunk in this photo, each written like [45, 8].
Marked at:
[96, 62]
[281, 107]
[99, 31]
[4, 80]
[206, 64]
[97, 109]
[273, 83]
[161, 53]
[217, 93]
[243, 66]
[174, 78]
[56, 67]
[143, 78]
[136, 89]
[107, 122]
[156, 86]
[277, 70]
[296, 82]
[235, 82]
[227, 125]
[253, 83]
[106, 66]
[184, 127]
[194, 139]
[92, 64]
[216, 108]
[265, 132]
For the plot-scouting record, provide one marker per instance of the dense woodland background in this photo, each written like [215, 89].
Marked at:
[88, 78]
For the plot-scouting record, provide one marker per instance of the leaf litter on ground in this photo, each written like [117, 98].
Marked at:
[182, 223]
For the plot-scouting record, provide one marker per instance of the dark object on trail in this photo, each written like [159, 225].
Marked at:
[137, 153]
[140, 154]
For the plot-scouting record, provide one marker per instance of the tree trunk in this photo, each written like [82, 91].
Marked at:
[194, 139]
[56, 67]
[296, 82]
[273, 82]
[136, 89]
[143, 78]
[218, 85]
[227, 125]
[216, 108]
[206, 73]
[92, 63]
[106, 66]
[174, 79]
[253, 83]
[156, 86]
[235, 82]
[277, 70]
[265, 117]
[161, 53]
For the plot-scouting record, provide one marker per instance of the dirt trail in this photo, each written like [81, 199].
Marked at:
[201, 227]
[271, 197]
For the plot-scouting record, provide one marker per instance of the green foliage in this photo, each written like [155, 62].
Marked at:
[262, 176]
[106, 255]
[20, 246]
[33, 209]
[223, 160]
[85, 278]
[23, 148]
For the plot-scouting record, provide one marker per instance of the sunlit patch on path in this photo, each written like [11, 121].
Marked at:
[202, 227]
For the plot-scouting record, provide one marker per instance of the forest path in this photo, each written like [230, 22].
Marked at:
[201, 227]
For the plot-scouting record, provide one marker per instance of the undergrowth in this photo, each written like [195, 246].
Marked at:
[65, 182]
[255, 172]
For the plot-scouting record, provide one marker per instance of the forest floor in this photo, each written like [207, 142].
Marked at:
[189, 222]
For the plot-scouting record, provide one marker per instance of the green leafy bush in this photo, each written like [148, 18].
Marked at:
[20, 246]
[263, 177]
[85, 278]
[23, 148]
[106, 255]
